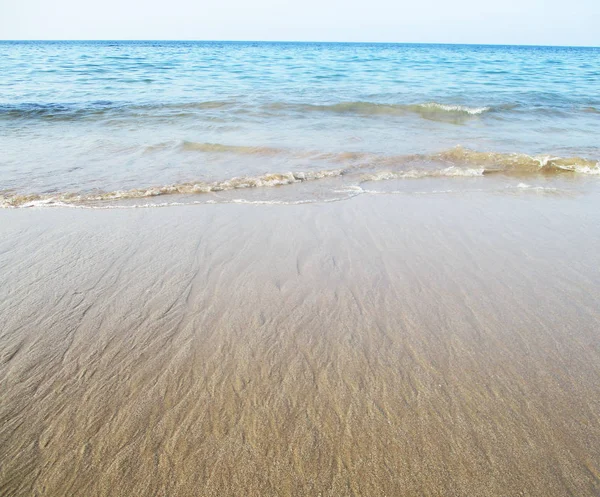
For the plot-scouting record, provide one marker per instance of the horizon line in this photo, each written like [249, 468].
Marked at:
[195, 40]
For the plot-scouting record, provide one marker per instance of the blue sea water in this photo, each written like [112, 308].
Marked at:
[105, 122]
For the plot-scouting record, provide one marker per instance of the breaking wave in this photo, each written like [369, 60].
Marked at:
[515, 163]
[233, 110]
[72, 111]
[266, 180]
[427, 110]
[357, 167]
[457, 109]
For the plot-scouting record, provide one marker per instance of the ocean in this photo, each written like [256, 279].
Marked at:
[107, 124]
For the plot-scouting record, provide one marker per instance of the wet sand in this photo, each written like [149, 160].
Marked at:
[435, 345]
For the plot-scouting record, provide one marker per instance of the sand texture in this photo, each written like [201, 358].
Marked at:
[387, 345]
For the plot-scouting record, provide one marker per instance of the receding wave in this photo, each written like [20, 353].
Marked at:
[215, 148]
[356, 167]
[236, 149]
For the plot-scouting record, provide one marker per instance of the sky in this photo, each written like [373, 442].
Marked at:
[528, 22]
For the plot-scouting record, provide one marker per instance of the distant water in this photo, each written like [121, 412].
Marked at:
[104, 124]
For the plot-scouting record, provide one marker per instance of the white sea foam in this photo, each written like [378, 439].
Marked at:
[424, 173]
[525, 186]
[457, 171]
[363, 167]
[582, 169]
[455, 108]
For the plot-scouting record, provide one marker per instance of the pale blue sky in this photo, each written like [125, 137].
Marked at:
[545, 22]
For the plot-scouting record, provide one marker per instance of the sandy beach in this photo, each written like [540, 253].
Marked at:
[433, 345]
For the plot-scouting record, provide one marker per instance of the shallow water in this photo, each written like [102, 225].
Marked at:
[82, 122]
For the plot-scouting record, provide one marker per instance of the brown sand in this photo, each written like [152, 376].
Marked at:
[428, 345]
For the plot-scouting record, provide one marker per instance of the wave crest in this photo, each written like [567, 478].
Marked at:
[457, 109]
[518, 163]
[265, 180]
[357, 166]
[73, 111]
[426, 110]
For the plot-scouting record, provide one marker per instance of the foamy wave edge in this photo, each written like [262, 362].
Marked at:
[69, 199]
[455, 162]
[473, 111]
[425, 109]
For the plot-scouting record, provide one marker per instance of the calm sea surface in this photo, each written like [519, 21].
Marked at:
[136, 123]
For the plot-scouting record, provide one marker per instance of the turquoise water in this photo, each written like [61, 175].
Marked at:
[101, 123]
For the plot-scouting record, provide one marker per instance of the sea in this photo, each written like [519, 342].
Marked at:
[121, 124]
